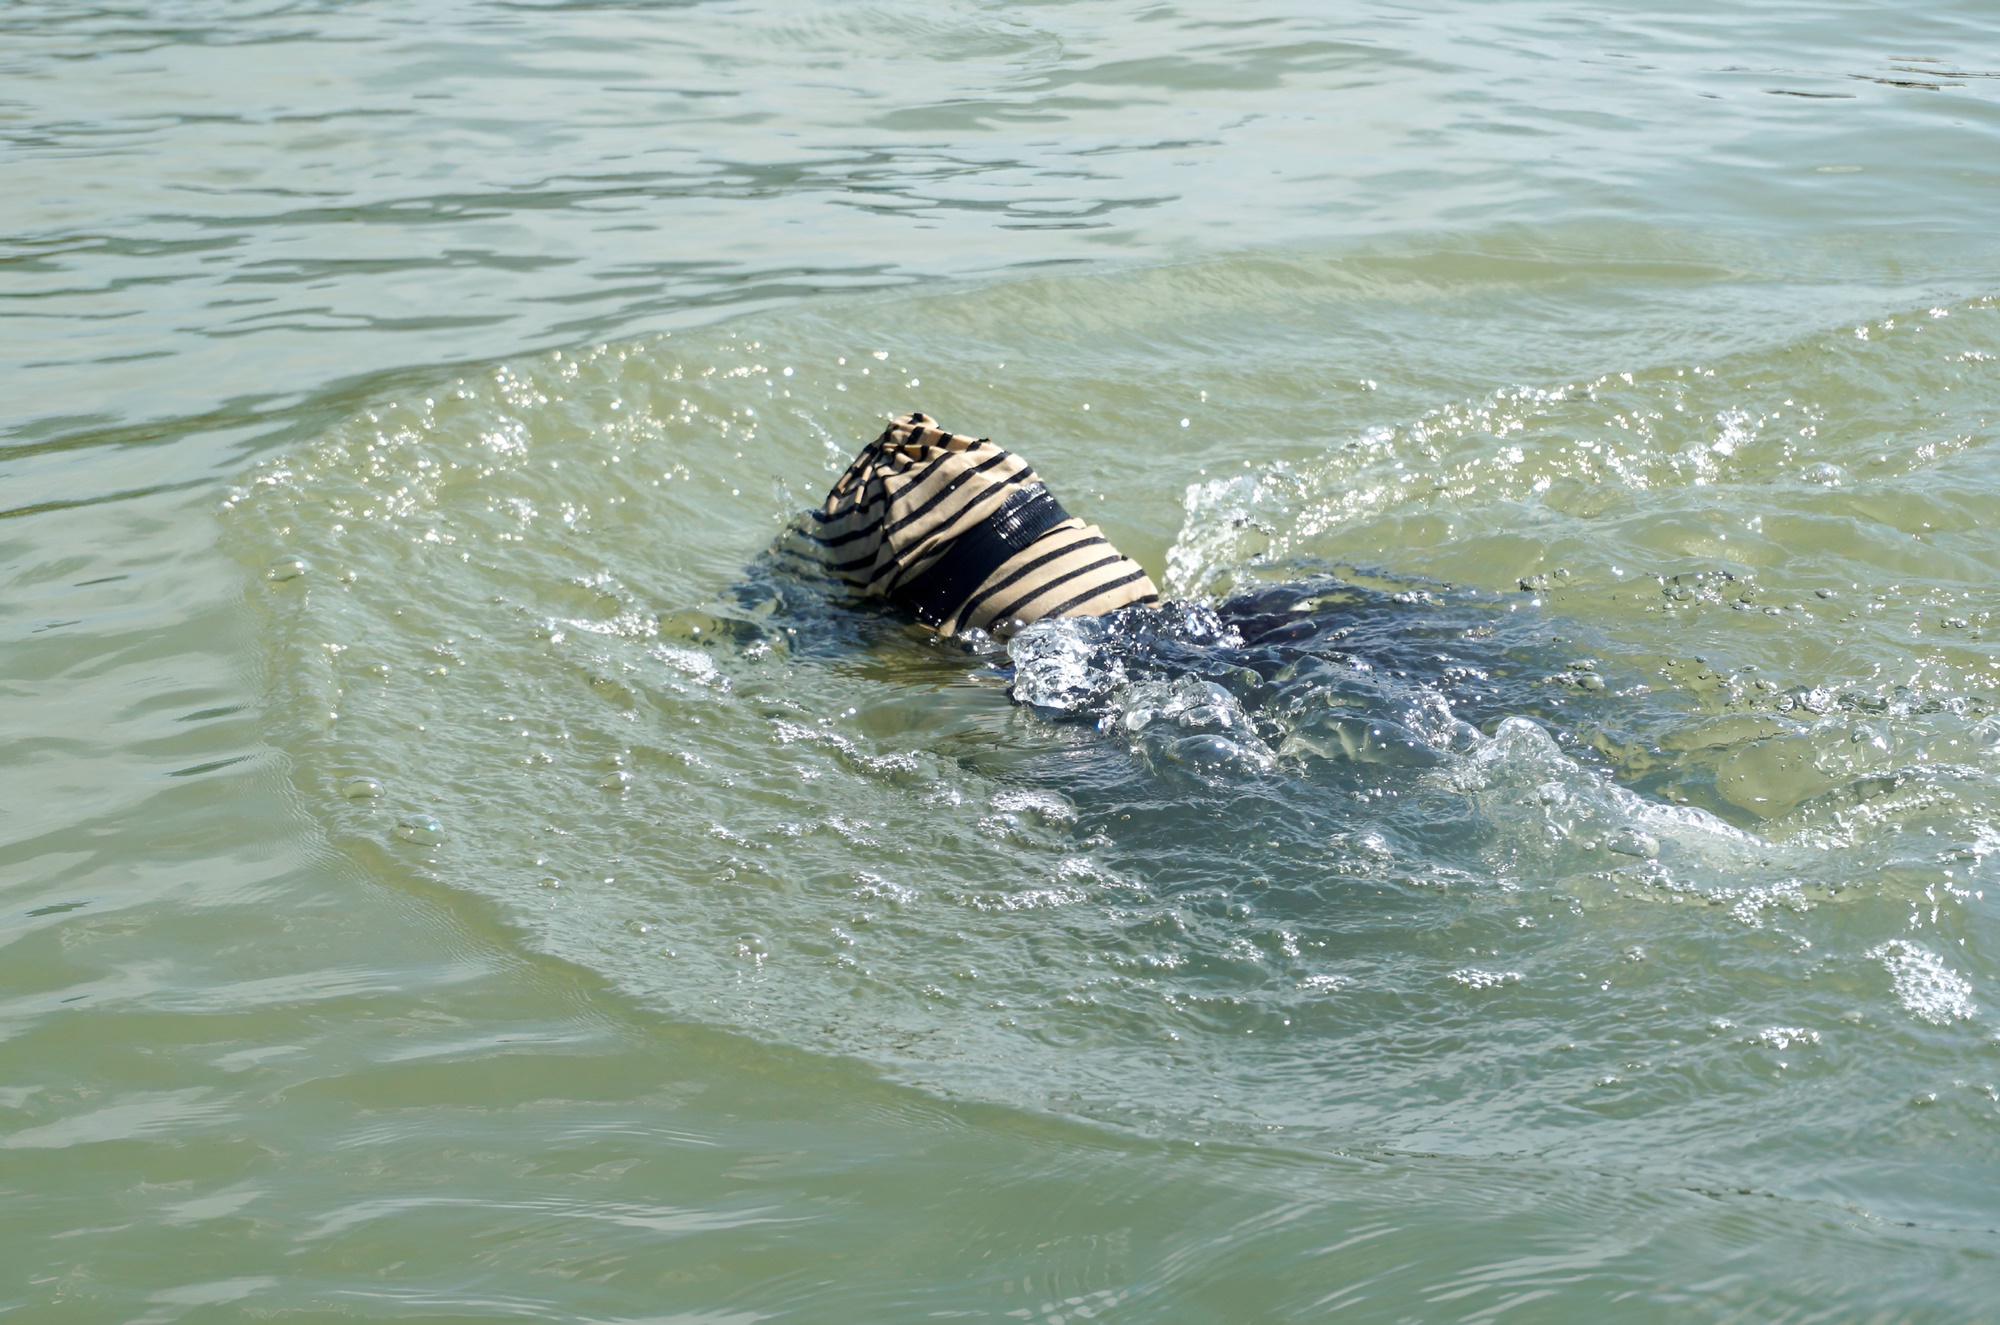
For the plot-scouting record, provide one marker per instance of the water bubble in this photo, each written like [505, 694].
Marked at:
[421, 829]
[361, 789]
[287, 568]
[1212, 753]
[1632, 842]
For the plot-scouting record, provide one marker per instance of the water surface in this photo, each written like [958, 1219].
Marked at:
[450, 876]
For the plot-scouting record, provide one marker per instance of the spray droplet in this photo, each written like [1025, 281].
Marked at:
[361, 789]
[421, 829]
[287, 568]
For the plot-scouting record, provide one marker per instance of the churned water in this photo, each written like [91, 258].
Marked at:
[1534, 868]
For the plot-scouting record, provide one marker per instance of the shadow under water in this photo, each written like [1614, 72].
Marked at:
[1303, 708]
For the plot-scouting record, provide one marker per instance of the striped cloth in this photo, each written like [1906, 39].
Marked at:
[964, 535]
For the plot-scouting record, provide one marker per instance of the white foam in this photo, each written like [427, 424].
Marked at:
[1927, 988]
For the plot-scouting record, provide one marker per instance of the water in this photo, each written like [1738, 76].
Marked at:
[449, 875]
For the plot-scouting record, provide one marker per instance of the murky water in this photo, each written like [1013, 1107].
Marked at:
[1539, 871]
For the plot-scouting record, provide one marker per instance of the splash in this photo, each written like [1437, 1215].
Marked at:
[1299, 855]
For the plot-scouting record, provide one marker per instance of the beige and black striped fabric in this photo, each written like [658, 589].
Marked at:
[964, 535]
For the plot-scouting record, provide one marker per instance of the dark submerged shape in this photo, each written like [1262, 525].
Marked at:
[1343, 681]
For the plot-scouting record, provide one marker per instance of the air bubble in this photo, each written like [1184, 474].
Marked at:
[361, 789]
[287, 568]
[1632, 842]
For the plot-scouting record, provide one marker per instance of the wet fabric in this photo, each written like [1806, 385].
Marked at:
[965, 536]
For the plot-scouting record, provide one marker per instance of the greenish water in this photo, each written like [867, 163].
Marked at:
[445, 877]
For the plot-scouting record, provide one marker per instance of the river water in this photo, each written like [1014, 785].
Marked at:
[449, 875]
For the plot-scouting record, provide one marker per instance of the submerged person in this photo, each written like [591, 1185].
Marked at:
[961, 534]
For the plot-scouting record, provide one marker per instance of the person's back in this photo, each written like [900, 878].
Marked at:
[963, 535]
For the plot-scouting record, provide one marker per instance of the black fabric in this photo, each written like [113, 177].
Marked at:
[974, 555]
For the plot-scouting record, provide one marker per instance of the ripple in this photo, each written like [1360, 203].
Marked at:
[1259, 861]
